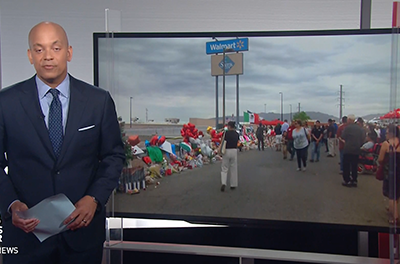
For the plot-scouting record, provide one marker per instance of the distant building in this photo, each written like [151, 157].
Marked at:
[172, 120]
[203, 122]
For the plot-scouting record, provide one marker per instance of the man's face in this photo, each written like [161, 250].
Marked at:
[49, 53]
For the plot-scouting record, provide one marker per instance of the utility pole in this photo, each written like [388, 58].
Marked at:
[341, 102]
[265, 108]
[299, 107]
[130, 112]
[147, 116]
[281, 105]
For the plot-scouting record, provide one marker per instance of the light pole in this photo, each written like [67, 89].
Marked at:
[265, 108]
[290, 113]
[223, 83]
[216, 96]
[281, 105]
[130, 112]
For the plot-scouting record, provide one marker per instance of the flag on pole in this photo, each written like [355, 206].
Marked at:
[396, 15]
[251, 117]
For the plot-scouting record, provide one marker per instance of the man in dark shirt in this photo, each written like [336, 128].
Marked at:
[316, 137]
[341, 141]
[260, 136]
[278, 137]
[331, 138]
[354, 137]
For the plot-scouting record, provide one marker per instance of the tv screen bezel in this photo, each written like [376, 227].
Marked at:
[238, 222]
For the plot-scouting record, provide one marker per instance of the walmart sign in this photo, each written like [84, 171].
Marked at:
[241, 44]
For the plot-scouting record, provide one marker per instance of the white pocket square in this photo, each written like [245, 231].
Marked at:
[86, 128]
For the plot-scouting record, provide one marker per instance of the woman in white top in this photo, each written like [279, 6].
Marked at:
[300, 143]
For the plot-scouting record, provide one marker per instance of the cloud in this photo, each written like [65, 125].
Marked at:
[172, 76]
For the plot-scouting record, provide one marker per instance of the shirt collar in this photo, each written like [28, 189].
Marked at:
[43, 88]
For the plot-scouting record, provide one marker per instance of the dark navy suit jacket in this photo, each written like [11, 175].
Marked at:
[90, 162]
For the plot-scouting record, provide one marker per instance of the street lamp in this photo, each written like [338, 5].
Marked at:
[281, 105]
[130, 112]
[223, 82]
[265, 108]
[290, 113]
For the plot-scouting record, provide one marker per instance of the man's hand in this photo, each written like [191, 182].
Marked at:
[27, 225]
[83, 214]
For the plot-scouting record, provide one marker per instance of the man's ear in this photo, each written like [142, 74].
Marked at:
[69, 53]
[30, 56]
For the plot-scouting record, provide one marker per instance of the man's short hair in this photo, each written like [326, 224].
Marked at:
[351, 117]
[344, 119]
[285, 120]
[231, 124]
[329, 120]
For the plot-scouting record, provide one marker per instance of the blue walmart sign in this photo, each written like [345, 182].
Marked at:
[241, 44]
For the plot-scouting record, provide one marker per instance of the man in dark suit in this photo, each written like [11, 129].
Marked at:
[58, 135]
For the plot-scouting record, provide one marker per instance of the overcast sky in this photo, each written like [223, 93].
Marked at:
[172, 77]
[302, 70]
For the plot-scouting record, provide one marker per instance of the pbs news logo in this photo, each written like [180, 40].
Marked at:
[6, 250]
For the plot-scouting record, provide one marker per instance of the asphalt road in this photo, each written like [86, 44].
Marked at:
[269, 188]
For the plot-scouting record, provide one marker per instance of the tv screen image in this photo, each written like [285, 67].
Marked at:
[156, 77]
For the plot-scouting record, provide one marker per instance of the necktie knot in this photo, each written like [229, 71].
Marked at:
[54, 92]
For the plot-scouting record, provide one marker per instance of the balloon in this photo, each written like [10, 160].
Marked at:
[146, 160]
[185, 146]
[161, 140]
[133, 140]
[154, 140]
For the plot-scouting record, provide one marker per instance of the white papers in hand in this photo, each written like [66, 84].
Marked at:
[51, 213]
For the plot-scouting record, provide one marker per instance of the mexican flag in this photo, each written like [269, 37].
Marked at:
[251, 117]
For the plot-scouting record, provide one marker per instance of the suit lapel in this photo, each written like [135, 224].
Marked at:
[30, 102]
[76, 108]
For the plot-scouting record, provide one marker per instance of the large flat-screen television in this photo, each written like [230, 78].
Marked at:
[160, 81]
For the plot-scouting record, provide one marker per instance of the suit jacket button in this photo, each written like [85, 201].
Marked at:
[58, 172]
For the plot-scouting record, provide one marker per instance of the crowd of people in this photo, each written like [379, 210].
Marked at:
[297, 139]
[350, 140]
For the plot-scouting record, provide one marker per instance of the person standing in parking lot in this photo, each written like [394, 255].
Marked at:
[260, 136]
[354, 137]
[316, 141]
[341, 141]
[300, 143]
[331, 138]
[229, 159]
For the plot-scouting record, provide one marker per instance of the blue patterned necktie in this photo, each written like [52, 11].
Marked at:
[55, 122]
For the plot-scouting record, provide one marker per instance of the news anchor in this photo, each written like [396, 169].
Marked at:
[57, 135]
